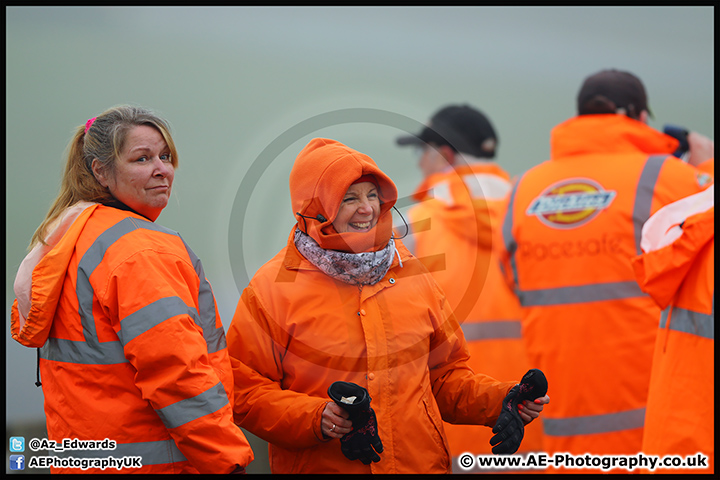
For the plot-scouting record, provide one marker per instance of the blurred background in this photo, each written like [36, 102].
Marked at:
[245, 88]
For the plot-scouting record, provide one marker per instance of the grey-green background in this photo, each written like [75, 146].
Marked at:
[245, 88]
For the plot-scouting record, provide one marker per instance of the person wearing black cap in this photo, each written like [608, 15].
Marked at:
[455, 230]
[616, 91]
[572, 225]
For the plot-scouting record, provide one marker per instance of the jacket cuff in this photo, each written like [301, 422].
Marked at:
[317, 423]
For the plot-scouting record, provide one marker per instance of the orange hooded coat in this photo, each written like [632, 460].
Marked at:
[131, 345]
[296, 330]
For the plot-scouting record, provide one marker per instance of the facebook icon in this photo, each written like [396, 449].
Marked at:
[17, 462]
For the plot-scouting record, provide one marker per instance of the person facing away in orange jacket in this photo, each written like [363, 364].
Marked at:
[131, 349]
[455, 231]
[677, 268]
[572, 226]
[345, 352]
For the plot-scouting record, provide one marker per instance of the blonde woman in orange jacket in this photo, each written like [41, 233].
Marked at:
[345, 301]
[131, 349]
[677, 268]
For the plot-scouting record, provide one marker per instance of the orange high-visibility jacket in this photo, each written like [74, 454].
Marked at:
[572, 226]
[296, 330]
[132, 348]
[456, 234]
[677, 269]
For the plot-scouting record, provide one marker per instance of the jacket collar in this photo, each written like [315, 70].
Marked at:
[607, 133]
[454, 175]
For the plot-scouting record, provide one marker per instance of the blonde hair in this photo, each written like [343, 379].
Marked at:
[104, 140]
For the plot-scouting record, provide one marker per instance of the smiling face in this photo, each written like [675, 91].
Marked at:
[143, 174]
[359, 210]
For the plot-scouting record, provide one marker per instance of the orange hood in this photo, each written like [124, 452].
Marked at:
[322, 173]
[39, 281]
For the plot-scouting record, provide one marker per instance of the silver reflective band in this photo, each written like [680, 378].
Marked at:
[688, 321]
[189, 409]
[77, 351]
[596, 292]
[493, 330]
[151, 315]
[507, 235]
[214, 336]
[644, 195]
[605, 423]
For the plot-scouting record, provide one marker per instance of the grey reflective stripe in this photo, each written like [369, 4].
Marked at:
[151, 315]
[605, 423]
[214, 336]
[644, 195]
[663, 317]
[72, 351]
[189, 409]
[508, 239]
[595, 292]
[92, 351]
[688, 321]
[493, 330]
[152, 453]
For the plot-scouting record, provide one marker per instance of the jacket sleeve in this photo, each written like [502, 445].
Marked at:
[257, 346]
[463, 396]
[172, 340]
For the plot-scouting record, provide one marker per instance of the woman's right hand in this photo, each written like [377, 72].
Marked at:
[335, 423]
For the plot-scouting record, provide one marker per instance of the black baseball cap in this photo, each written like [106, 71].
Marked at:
[462, 127]
[608, 90]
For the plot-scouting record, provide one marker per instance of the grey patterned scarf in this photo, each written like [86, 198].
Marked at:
[366, 268]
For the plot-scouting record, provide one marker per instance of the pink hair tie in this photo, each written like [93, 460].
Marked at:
[89, 123]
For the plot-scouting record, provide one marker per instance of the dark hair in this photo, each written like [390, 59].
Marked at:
[612, 91]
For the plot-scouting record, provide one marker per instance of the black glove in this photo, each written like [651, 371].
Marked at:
[362, 442]
[510, 428]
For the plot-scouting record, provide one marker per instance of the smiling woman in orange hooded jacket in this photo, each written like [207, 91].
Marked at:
[345, 301]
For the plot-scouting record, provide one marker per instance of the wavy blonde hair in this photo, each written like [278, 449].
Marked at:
[103, 141]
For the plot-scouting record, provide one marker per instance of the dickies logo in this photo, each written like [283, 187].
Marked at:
[570, 203]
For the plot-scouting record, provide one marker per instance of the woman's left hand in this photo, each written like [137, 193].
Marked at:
[335, 421]
[530, 410]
